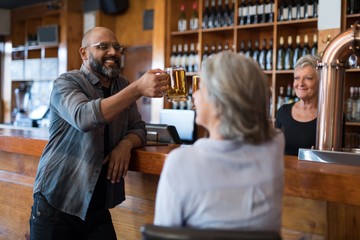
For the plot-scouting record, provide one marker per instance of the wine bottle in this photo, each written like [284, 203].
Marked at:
[302, 9]
[269, 56]
[269, 11]
[297, 51]
[206, 14]
[260, 11]
[293, 10]
[219, 15]
[251, 12]
[281, 11]
[227, 15]
[316, 3]
[196, 58]
[212, 16]
[285, 11]
[232, 13]
[182, 22]
[242, 47]
[314, 48]
[288, 96]
[219, 47]
[305, 48]
[256, 51]
[178, 56]
[184, 61]
[290, 10]
[281, 54]
[354, 104]
[249, 52]
[280, 99]
[194, 20]
[357, 7]
[289, 54]
[310, 9]
[262, 55]
[206, 53]
[306, 7]
[243, 13]
[191, 58]
[173, 56]
[212, 49]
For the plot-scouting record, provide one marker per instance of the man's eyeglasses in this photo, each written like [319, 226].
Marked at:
[105, 46]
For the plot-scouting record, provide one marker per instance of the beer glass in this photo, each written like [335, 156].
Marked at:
[194, 87]
[177, 85]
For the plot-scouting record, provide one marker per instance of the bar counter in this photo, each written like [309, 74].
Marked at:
[321, 201]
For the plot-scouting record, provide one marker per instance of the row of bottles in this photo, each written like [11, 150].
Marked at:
[353, 7]
[353, 105]
[212, 49]
[287, 98]
[255, 12]
[218, 14]
[183, 22]
[297, 9]
[262, 55]
[182, 57]
[287, 57]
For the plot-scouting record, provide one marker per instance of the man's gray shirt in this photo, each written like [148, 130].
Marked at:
[72, 160]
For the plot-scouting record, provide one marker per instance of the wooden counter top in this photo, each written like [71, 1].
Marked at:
[319, 198]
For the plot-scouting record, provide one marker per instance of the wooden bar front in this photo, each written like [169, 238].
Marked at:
[321, 201]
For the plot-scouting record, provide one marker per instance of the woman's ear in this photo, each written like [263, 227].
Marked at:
[83, 53]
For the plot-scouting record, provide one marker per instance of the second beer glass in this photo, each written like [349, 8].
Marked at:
[177, 85]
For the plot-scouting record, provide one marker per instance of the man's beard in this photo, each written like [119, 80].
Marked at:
[100, 68]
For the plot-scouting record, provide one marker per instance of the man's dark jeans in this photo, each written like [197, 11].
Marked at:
[48, 223]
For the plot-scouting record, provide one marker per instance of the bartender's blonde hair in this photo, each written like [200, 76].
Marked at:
[240, 92]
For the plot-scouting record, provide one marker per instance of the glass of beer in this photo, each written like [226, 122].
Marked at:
[177, 85]
[194, 87]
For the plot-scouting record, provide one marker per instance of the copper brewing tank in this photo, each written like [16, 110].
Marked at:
[332, 80]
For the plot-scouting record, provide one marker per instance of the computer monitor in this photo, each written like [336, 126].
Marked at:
[184, 122]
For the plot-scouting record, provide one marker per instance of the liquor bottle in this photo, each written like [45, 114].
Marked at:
[219, 15]
[182, 22]
[316, 4]
[227, 15]
[280, 99]
[194, 20]
[251, 12]
[206, 14]
[314, 48]
[242, 47]
[281, 11]
[173, 56]
[269, 56]
[285, 11]
[178, 56]
[206, 53]
[243, 13]
[269, 11]
[289, 55]
[281, 54]
[212, 16]
[302, 9]
[297, 51]
[256, 51]
[249, 52]
[212, 49]
[291, 12]
[184, 61]
[264, 5]
[310, 9]
[191, 58]
[288, 97]
[262, 55]
[219, 47]
[306, 48]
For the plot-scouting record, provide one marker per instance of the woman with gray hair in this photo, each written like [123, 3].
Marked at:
[234, 178]
[298, 120]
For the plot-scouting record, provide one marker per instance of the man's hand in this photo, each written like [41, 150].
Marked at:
[119, 159]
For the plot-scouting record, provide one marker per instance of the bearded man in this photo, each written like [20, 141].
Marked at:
[94, 125]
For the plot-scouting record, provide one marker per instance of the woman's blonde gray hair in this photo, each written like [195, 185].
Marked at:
[240, 92]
